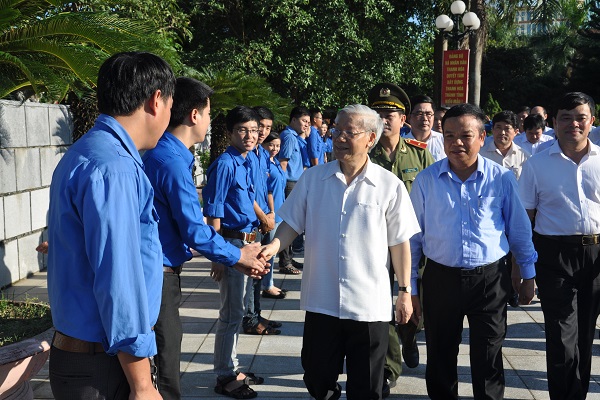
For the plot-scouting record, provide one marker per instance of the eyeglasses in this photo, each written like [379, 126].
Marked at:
[346, 134]
[421, 114]
[245, 131]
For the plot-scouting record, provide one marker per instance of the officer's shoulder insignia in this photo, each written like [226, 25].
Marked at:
[416, 143]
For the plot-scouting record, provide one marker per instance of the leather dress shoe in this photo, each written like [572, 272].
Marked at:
[410, 351]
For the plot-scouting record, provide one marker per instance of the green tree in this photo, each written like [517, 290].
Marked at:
[322, 52]
[48, 50]
[586, 61]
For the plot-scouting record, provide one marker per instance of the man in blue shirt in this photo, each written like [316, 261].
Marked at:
[168, 167]
[229, 207]
[291, 161]
[315, 145]
[470, 216]
[104, 258]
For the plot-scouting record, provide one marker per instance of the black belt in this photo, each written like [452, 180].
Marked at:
[172, 270]
[464, 271]
[231, 234]
[584, 240]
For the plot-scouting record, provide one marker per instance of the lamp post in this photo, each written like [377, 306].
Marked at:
[450, 26]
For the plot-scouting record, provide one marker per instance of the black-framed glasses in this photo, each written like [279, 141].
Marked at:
[346, 134]
[245, 131]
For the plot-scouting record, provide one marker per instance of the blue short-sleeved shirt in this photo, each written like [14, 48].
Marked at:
[258, 174]
[303, 151]
[276, 186]
[181, 226]
[290, 150]
[229, 193]
[316, 147]
[104, 259]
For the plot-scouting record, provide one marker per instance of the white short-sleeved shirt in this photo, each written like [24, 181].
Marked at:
[595, 135]
[435, 144]
[349, 229]
[513, 160]
[532, 148]
[565, 195]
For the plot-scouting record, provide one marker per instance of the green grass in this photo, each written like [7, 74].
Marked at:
[22, 320]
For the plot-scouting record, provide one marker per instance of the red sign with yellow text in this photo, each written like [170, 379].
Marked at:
[455, 77]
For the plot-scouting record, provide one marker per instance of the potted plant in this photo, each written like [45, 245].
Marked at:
[25, 337]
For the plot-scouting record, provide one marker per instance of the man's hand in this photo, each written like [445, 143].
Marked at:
[404, 308]
[267, 223]
[269, 251]
[251, 258]
[216, 271]
[526, 291]
[417, 312]
[42, 248]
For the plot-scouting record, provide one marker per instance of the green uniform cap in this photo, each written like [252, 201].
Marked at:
[387, 96]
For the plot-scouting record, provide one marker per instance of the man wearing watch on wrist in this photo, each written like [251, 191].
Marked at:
[470, 216]
[354, 212]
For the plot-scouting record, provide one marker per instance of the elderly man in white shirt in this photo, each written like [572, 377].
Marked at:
[502, 150]
[421, 126]
[357, 217]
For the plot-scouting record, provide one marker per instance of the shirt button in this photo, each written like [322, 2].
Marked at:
[343, 235]
[343, 212]
[342, 257]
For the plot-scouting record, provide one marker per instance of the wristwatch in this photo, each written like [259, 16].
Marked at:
[406, 289]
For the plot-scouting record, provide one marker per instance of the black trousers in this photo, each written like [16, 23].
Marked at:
[568, 278]
[450, 294]
[82, 376]
[285, 255]
[328, 340]
[169, 334]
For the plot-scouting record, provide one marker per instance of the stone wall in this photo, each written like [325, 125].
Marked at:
[33, 138]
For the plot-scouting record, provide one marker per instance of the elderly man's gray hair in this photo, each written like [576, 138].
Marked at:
[368, 117]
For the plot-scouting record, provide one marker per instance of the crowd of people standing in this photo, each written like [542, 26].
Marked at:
[453, 220]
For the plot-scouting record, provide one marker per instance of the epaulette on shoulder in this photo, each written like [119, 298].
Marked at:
[416, 143]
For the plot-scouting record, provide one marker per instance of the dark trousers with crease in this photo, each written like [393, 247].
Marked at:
[328, 340]
[450, 294]
[568, 278]
[82, 376]
[169, 334]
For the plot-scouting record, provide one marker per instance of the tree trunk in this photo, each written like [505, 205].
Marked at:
[477, 45]
[440, 45]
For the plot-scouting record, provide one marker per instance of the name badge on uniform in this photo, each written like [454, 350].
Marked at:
[409, 170]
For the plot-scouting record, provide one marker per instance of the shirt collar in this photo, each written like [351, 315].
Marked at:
[236, 155]
[178, 147]
[593, 150]
[369, 172]
[117, 130]
[445, 166]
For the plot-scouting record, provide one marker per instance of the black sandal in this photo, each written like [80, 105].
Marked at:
[250, 378]
[261, 329]
[241, 392]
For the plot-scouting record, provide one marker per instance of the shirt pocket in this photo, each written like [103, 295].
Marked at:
[149, 232]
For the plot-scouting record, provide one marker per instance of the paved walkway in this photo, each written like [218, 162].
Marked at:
[277, 358]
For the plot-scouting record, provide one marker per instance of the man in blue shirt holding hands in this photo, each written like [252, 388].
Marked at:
[104, 258]
[181, 227]
[470, 216]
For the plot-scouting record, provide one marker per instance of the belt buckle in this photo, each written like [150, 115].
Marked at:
[589, 240]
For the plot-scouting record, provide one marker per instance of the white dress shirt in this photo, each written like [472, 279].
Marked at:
[514, 159]
[435, 144]
[595, 135]
[566, 195]
[349, 229]
[533, 148]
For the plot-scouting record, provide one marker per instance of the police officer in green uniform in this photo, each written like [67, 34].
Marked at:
[405, 158]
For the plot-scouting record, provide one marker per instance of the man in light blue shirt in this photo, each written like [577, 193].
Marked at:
[315, 146]
[104, 258]
[470, 216]
[169, 169]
